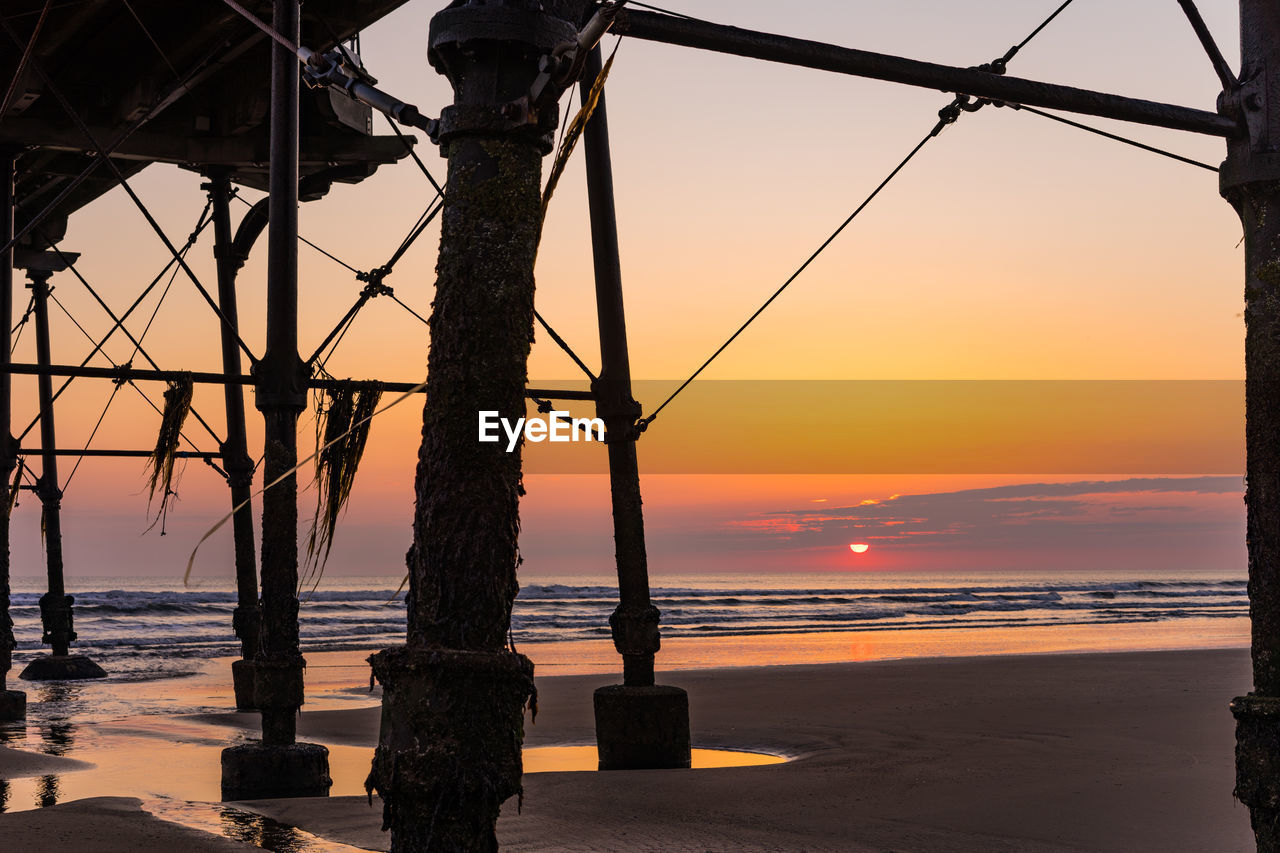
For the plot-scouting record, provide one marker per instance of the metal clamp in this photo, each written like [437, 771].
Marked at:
[57, 618]
[374, 285]
[515, 116]
[278, 684]
[560, 68]
[635, 631]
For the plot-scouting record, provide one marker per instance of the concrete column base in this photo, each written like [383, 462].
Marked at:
[258, 771]
[242, 681]
[13, 705]
[642, 728]
[62, 668]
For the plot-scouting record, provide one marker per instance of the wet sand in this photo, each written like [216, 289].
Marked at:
[1101, 752]
[21, 763]
[106, 825]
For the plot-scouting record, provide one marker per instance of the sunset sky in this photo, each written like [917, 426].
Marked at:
[1012, 249]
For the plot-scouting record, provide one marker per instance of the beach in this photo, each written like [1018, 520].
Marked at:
[1123, 751]
[931, 442]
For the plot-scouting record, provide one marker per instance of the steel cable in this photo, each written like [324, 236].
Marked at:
[948, 115]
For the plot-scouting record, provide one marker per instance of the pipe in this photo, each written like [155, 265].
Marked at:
[235, 454]
[634, 623]
[55, 605]
[8, 447]
[281, 395]
[1250, 180]
[704, 35]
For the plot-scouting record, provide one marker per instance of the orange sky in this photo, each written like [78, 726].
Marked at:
[1012, 248]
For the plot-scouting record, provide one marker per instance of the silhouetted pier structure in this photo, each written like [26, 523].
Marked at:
[509, 63]
[66, 153]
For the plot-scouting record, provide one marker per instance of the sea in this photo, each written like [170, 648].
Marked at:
[141, 628]
[167, 648]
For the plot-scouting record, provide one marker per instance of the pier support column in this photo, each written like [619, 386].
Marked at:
[278, 766]
[638, 724]
[55, 605]
[247, 618]
[1250, 180]
[454, 696]
[13, 703]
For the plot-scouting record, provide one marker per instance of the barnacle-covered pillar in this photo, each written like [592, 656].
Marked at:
[1250, 180]
[13, 703]
[638, 724]
[454, 696]
[55, 604]
[278, 766]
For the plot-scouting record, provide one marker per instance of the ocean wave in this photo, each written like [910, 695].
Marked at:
[185, 623]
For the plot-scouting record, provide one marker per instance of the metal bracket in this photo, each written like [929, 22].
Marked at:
[278, 387]
[337, 69]
[239, 468]
[48, 494]
[1249, 101]
[374, 285]
[1250, 159]
[616, 408]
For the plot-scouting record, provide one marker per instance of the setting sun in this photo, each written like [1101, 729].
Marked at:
[859, 547]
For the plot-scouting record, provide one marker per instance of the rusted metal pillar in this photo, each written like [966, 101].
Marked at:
[235, 454]
[454, 695]
[55, 605]
[638, 724]
[1250, 180]
[279, 767]
[13, 703]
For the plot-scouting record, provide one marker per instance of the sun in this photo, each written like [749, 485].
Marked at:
[859, 547]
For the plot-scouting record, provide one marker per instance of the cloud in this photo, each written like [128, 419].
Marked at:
[1127, 513]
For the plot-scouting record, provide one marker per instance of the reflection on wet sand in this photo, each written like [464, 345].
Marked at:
[246, 826]
[47, 793]
[57, 736]
[560, 759]
[172, 763]
[155, 757]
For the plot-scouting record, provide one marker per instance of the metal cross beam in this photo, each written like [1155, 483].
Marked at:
[689, 32]
[211, 455]
[130, 374]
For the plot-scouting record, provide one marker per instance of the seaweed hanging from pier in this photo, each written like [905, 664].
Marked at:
[344, 415]
[15, 486]
[177, 405]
